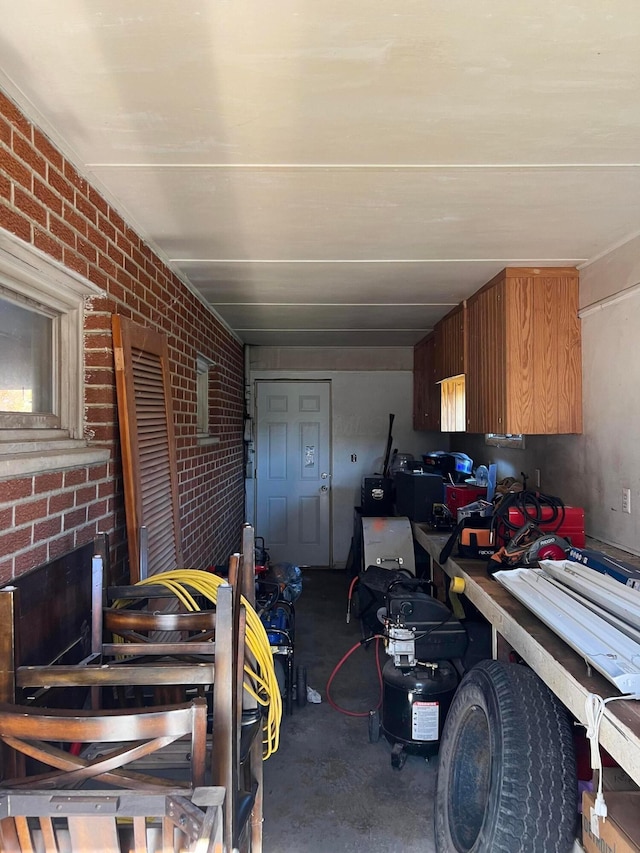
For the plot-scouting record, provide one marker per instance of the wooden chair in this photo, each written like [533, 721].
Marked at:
[76, 821]
[36, 735]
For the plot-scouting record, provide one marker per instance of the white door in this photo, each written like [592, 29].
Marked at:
[293, 474]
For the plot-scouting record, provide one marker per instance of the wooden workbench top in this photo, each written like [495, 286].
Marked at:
[562, 669]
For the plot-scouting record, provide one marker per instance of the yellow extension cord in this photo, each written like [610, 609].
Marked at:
[263, 684]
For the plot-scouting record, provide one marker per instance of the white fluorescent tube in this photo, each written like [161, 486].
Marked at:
[621, 600]
[608, 650]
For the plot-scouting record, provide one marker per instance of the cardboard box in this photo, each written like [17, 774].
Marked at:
[621, 571]
[620, 832]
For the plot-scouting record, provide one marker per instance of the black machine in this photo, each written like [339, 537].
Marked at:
[424, 639]
[416, 493]
[453, 466]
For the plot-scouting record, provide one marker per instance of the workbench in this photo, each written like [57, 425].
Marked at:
[563, 670]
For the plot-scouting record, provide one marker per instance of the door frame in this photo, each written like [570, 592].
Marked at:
[254, 380]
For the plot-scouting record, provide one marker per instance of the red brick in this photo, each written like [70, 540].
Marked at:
[100, 395]
[58, 547]
[62, 231]
[49, 482]
[15, 223]
[11, 111]
[46, 195]
[75, 178]
[98, 472]
[15, 540]
[15, 490]
[100, 305]
[27, 511]
[60, 502]
[27, 154]
[75, 262]
[97, 510]
[30, 559]
[116, 219]
[30, 206]
[75, 518]
[5, 132]
[86, 208]
[6, 518]
[85, 248]
[46, 148]
[77, 222]
[106, 228]
[42, 241]
[106, 490]
[116, 256]
[98, 321]
[104, 433]
[75, 477]
[85, 495]
[98, 201]
[6, 571]
[61, 185]
[47, 529]
[5, 187]
[98, 277]
[98, 358]
[96, 238]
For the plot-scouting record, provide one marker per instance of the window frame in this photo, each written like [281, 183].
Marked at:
[204, 367]
[30, 277]
[514, 441]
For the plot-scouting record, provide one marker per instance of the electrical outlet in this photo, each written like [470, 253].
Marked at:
[626, 500]
[537, 473]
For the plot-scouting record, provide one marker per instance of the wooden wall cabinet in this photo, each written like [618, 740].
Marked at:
[451, 343]
[524, 371]
[426, 393]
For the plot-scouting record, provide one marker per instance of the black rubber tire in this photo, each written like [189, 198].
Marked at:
[507, 773]
[301, 686]
[374, 726]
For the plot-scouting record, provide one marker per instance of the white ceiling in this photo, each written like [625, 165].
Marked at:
[342, 173]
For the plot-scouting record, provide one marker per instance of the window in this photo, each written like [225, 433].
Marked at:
[28, 339]
[203, 368]
[508, 440]
[41, 358]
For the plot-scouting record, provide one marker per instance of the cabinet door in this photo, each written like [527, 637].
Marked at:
[486, 360]
[543, 379]
[451, 343]
[426, 394]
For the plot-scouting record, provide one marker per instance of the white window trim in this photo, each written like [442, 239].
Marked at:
[32, 275]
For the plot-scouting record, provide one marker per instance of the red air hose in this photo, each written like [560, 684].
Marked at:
[345, 657]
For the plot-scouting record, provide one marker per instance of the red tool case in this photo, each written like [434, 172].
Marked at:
[571, 528]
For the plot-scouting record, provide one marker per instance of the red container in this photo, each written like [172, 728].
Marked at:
[572, 527]
[461, 495]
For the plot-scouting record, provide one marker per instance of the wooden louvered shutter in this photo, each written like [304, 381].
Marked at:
[145, 414]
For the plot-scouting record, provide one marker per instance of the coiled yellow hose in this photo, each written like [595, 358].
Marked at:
[263, 684]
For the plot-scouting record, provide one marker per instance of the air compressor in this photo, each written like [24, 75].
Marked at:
[425, 642]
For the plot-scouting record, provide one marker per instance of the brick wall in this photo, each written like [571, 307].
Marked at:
[47, 203]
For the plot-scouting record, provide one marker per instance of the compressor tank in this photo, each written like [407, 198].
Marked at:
[415, 704]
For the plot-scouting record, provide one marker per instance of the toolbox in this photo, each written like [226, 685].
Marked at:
[461, 495]
[571, 528]
[376, 496]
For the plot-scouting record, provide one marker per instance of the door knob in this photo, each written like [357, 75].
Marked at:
[324, 488]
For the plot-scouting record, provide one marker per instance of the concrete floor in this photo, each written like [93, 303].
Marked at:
[328, 789]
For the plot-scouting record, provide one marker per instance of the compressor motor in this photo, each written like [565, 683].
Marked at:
[423, 638]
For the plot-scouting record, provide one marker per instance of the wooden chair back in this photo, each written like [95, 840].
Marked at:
[62, 821]
[124, 736]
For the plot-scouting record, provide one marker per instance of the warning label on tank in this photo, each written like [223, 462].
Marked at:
[424, 720]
